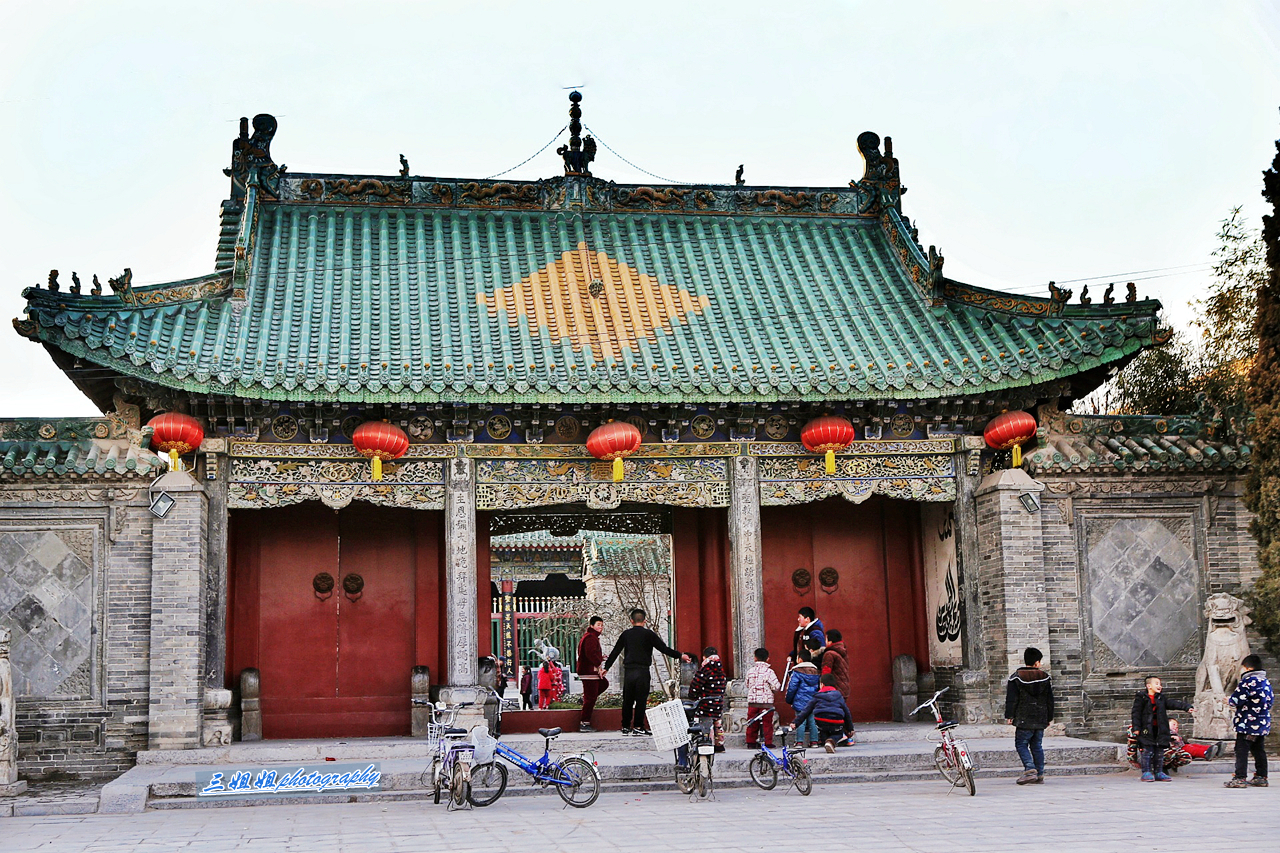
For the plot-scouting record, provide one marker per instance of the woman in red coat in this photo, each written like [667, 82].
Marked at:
[590, 665]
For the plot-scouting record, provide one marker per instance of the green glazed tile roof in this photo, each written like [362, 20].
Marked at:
[84, 458]
[377, 302]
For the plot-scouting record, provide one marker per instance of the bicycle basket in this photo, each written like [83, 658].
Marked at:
[669, 726]
[484, 742]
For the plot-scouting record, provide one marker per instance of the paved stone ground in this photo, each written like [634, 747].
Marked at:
[1065, 814]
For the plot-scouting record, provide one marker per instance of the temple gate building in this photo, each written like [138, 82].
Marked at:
[498, 323]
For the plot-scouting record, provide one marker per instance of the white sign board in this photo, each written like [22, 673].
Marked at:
[944, 608]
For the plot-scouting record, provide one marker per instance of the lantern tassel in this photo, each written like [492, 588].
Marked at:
[831, 461]
[1017, 456]
[377, 468]
[175, 464]
[617, 470]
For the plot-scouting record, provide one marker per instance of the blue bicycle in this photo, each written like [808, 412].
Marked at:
[765, 765]
[574, 777]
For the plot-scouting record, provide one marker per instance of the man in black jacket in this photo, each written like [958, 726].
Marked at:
[636, 645]
[1028, 705]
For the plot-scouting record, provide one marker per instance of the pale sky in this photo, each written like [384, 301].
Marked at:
[1039, 140]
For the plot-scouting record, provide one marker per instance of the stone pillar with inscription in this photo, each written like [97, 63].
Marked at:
[177, 654]
[1011, 579]
[746, 573]
[218, 711]
[462, 640]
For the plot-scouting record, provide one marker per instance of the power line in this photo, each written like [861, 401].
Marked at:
[633, 165]
[530, 157]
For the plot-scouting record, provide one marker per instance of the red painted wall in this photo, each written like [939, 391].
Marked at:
[878, 601]
[704, 604]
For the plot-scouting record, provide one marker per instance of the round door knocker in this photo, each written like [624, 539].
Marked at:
[323, 585]
[829, 580]
[801, 579]
[353, 586]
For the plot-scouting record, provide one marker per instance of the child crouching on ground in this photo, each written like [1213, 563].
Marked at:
[762, 681]
[831, 713]
[1150, 720]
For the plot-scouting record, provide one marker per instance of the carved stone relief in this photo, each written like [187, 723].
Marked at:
[1143, 591]
[47, 599]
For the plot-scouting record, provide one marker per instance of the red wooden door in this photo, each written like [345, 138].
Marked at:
[375, 625]
[877, 601]
[297, 629]
[333, 664]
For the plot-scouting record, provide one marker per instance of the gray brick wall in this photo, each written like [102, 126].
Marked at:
[1094, 686]
[94, 722]
[179, 550]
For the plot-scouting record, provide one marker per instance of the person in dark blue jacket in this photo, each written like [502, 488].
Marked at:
[802, 686]
[830, 711]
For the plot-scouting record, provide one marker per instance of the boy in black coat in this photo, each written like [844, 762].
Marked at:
[1150, 720]
[1028, 706]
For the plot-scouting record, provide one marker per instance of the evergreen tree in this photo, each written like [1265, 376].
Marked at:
[1262, 491]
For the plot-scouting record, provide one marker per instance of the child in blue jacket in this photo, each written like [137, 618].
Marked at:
[801, 688]
[1252, 700]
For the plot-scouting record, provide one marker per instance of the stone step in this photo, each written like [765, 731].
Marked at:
[155, 785]
[614, 786]
[375, 749]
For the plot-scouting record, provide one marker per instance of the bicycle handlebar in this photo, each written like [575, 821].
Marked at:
[924, 705]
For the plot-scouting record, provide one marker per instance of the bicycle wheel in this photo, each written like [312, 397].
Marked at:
[800, 776]
[945, 767]
[967, 774]
[488, 782]
[585, 787]
[460, 785]
[686, 776]
[703, 783]
[428, 777]
[763, 772]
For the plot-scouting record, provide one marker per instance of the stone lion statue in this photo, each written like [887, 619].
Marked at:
[1225, 645]
[545, 651]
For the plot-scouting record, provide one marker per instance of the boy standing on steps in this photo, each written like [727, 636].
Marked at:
[1028, 706]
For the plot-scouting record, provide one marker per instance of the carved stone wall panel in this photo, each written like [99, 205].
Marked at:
[856, 491]
[261, 482]
[858, 467]
[491, 496]
[50, 590]
[908, 447]
[591, 471]
[1143, 591]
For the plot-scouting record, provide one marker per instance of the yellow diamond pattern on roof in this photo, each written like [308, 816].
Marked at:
[558, 298]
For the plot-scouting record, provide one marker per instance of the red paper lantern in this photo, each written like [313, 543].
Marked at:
[1012, 429]
[379, 440]
[175, 434]
[614, 442]
[827, 434]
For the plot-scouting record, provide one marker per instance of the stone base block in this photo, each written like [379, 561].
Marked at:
[13, 789]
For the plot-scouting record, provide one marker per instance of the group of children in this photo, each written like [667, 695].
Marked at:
[1153, 736]
[817, 689]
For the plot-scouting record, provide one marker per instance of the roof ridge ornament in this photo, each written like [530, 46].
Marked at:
[251, 156]
[579, 153]
[881, 171]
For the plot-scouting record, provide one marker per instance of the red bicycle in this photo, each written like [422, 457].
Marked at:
[951, 755]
